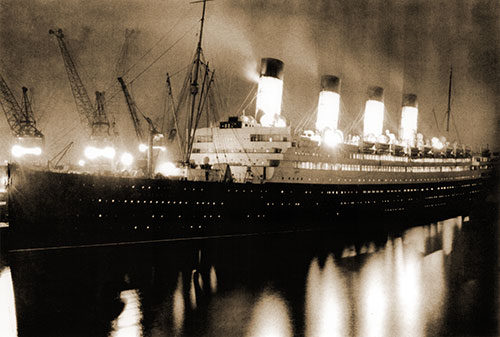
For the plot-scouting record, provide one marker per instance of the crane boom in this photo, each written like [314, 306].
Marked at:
[21, 121]
[132, 108]
[153, 131]
[122, 59]
[96, 121]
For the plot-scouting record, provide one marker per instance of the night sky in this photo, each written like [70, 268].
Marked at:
[402, 46]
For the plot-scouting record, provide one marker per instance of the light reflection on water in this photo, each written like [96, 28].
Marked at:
[178, 307]
[372, 305]
[213, 280]
[433, 286]
[128, 324]
[8, 321]
[192, 289]
[270, 317]
[326, 311]
[398, 287]
[409, 293]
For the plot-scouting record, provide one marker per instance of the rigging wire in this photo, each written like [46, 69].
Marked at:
[306, 120]
[163, 54]
[220, 103]
[357, 120]
[182, 17]
[252, 93]
[356, 123]
[179, 71]
[456, 129]
[435, 119]
[152, 63]
[73, 127]
[389, 121]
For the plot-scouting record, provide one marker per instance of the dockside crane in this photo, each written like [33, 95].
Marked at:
[122, 63]
[113, 107]
[29, 140]
[132, 108]
[95, 119]
[153, 134]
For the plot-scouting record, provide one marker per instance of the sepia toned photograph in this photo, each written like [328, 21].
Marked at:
[257, 168]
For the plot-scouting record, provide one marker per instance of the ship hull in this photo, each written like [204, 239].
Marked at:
[50, 209]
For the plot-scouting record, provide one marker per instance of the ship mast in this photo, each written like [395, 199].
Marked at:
[194, 89]
[448, 111]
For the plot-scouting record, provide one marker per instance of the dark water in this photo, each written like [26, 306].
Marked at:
[436, 279]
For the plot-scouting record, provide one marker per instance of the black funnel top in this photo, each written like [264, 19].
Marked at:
[376, 93]
[330, 83]
[410, 100]
[272, 68]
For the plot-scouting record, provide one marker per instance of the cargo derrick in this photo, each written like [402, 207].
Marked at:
[29, 140]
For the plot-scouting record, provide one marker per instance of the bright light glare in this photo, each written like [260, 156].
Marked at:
[267, 120]
[3, 183]
[109, 152]
[374, 118]
[19, 151]
[92, 152]
[81, 162]
[436, 143]
[269, 99]
[328, 110]
[409, 117]
[333, 138]
[168, 169]
[126, 159]
[143, 147]
[158, 147]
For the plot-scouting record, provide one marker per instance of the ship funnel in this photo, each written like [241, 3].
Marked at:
[409, 118]
[374, 113]
[329, 103]
[270, 91]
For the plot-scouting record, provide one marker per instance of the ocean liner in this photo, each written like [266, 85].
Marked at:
[252, 174]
